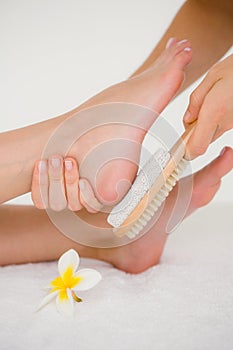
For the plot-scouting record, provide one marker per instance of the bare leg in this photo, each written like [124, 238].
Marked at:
[19, 149]
[27, 235]
[208, 26]
[31, 237]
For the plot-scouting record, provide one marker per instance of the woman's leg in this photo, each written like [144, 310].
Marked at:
[19, 149]
[208, 26]
[27, 235]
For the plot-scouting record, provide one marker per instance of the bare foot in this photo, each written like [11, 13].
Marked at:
[47, 243]
[153, 89]
[146, 251]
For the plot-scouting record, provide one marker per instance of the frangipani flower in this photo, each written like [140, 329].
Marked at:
[63, 287]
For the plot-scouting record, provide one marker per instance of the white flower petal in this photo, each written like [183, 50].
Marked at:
[66, 306]
[49, 297]
[89, 278]
[69, 258]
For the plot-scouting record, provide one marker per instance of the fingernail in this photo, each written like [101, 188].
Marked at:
[42, 166]
[170, 41]
[82, 185]
[187, 117]
[182, 41]
[188, 49]
[68, 165]
[223, 151]
[56, 163]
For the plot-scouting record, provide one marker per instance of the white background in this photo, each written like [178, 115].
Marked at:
[56, 54]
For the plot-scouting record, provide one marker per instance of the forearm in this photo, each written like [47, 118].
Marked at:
[209, 27]
[19, 150]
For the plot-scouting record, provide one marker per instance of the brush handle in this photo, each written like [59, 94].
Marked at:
[179, 150]
[177, 153]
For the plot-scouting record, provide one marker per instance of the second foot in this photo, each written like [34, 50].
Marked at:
[147, 250]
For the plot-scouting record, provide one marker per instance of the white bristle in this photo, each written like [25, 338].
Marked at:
[134, 230]
[169, 187]
[171, 181]
[175, 176]
[149, 211]
[141, 221]
[131, 235]
[142, 184]
[144, 222]
[154, 207]
[160, 197]
[146, 216]
[138, 227]
[157, 201]
[164, 191]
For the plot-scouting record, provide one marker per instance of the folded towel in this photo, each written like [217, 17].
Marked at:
[184, 303]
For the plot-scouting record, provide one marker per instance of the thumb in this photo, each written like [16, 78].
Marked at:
[197, 98]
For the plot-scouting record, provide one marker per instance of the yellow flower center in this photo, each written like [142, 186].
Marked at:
[67, 281]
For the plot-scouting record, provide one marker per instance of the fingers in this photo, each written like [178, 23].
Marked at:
[87, 197]
[57, 197]
[197, 98]
[40, 182]
[72, 184]
[56, 185]
[79, 192]
[202, 106]
[211, 103]
[203, 134]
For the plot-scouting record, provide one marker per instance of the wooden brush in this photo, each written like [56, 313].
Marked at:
[155, 196]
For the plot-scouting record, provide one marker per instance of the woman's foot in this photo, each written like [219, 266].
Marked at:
[153, 89]
[146, 251]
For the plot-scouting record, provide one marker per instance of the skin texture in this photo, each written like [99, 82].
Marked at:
[212, 104]
[208, 25]
[21, 148]
[32, 237]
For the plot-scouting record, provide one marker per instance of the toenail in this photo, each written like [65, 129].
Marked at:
[182, 41]
[170, 41]
[188, 49]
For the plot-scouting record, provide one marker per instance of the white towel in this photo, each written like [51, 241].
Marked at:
[184, 303]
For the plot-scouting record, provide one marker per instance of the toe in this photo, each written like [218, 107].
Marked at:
[171, 42]
[208, 180]
[182, 55]
[182, 59]
[213, 172]
[176, 47]
[179, 53]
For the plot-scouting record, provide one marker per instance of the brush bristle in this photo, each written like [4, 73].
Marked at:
[154, 205]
